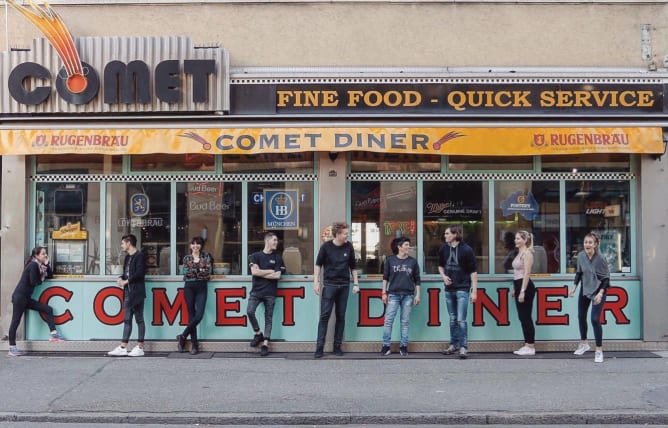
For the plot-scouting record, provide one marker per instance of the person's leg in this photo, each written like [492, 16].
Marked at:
[19, 307]
[583, 307]
[462, 312]
[393, 301]
[341, 304]
[451, 304]
[406, 305]
[326, 306]
[198, 310]
[596, 311]
[44, 309]
[528, 327]
[253, 303]
[269, 303]
[127, 322]
[189, 295]
[141, 326]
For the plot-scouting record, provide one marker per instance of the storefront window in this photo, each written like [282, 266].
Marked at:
[381, 211]
[78, 164]
[66, 222]
[211, 210]
[586, 163]
[295, 163]
[461, 203]
[285, 208]
[388, 162]
[168, 162]
[142, 209]
[532, 206]
[604, 208]
[489, 163]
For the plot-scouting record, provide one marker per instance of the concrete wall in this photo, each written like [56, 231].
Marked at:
[383, 34]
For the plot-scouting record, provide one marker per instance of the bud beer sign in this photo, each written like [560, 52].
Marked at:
[281, 211]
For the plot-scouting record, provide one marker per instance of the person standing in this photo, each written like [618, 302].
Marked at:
[266, 267]
[336, 259]
[459, 271]
[524, 290]
[134, 294]
[36, 270]
[197, 269]
[594, 273]
[401, 290]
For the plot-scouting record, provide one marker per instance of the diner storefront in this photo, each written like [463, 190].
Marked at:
[227, 156]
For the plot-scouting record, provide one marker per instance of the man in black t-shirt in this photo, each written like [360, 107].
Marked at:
[337, 260]
[266, 267]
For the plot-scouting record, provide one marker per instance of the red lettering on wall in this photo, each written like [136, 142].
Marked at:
[289, 295]
[365, 318]
[98, 305]
[60, 292]
[223, 307]
[616, 306]
[484, 302]
[434, 307]
[161, 306]
[544, 305]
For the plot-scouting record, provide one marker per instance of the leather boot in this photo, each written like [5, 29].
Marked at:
[180, 342]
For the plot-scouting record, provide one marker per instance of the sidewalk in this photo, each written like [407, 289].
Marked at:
[355, 389]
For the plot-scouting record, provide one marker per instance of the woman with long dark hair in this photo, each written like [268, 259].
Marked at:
[524, 290]
[197, 269]
[36, 269]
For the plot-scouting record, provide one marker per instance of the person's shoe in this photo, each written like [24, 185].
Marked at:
[598, 356]
[14, 352]
[118, 351]
[256, 340]
[385, 351]
[194, 348]
[318, 352]
[526, 351]
[582, 348]
[338, 351]
[450, 350]
[136, 352]
[180, 342]
[463, 353]
[403, 350]
[56, 337]
[264, 350]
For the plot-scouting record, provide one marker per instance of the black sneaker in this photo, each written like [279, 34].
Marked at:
[256, 340]
[264, 351]
[403, 350]
[338, 351]
[318, 352]
[385, 351]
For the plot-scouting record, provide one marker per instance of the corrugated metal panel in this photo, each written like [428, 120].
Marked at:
[98, 51]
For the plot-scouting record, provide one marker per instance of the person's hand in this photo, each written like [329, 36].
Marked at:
[447, 280]
[520, 298]
[119, 282]
[572, 292]
[384, 297]
[316, 289]
[416, 301]
[474, 296]
[597, 299]
[356, 289]
[512, 292]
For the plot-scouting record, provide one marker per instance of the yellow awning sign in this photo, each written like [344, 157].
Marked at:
[404, 140]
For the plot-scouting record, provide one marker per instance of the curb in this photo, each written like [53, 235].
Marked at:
[448, 418]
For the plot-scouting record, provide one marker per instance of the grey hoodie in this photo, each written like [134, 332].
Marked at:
[594, 273]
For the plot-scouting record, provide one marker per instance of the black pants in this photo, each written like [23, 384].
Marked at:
[195, 293]
[21, 305]
[583, 307]
[332, 296]
[524, 310]
[269, 302]
[138, 312]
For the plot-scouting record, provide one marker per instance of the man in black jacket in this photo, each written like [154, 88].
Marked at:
[134, 294]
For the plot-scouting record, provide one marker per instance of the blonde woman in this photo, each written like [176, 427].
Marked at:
[524, 290]
[594, 273]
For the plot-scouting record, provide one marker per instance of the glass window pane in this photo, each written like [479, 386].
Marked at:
[211, 210]
[381, 211]
[459, 203]
[532, 206]
[180, 162]
[390, 162]
[79, 164]
[604, 208]
[142, 209]
[483, 163]
[66, 222]
[295, 244]
[295, 163]
[587, 163]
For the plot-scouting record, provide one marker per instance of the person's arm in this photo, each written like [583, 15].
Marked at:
[352, 264]
[577, 280]
[35, 276]
[316, 280]
[528, 264]
[603, 275]
[417, 280]
[384, 291]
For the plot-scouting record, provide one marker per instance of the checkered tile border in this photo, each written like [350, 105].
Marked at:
[142, 178]
[403, 176]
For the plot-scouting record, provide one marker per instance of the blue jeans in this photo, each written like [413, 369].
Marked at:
[457, 302]
[394, 302]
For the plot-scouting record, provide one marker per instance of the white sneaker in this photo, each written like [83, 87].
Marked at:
[136, 352]
[582, 348]
[598, 356]
[118, 352]
[525, 351]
